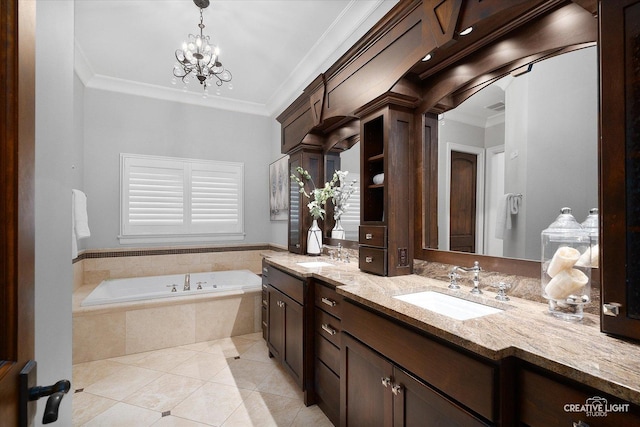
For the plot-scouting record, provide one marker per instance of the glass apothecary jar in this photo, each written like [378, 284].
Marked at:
[566, 269]
[591, 225]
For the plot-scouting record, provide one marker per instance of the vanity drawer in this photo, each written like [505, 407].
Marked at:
[543, 400]
[373, 235]
[328, 327]
[373, 260]
[285, 283]
[328, 300]
[328, 353]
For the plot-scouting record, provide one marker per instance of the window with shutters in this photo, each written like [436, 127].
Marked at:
[166, 199]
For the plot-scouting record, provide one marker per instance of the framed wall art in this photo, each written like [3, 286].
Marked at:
[279, 189]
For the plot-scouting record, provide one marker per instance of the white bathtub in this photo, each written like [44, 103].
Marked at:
[151, 287]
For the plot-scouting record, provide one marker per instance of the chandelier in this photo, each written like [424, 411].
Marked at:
[198, 60]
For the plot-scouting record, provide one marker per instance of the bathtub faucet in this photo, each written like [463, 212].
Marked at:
[187, 282]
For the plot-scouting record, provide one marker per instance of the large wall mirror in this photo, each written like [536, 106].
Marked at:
[516, 152]
[347, 161]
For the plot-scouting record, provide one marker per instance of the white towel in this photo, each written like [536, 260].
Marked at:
[79, 220]
[509, 205]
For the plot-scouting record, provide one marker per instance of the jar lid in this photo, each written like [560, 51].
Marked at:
[591, 222]
[565, 222]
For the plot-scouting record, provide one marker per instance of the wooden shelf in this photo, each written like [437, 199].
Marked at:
[376, 158]
[376, 186]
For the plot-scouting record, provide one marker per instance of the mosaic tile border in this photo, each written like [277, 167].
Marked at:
[89, 254]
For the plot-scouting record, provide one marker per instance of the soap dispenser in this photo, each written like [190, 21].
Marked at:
[591, 224]
[566, 277]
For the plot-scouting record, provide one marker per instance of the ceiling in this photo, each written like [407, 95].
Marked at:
[273, 48]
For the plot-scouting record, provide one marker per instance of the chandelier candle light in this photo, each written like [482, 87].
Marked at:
[199, 60]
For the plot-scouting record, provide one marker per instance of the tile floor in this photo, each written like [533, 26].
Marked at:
[227, 382]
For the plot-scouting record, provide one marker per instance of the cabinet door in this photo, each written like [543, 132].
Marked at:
[293, 329]
[365, 387]
[275, 322]
[620, 165]
[417, 405]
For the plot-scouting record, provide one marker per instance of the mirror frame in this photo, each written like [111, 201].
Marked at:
[567, 28]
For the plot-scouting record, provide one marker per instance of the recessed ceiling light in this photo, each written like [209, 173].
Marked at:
[466, 31]
[427, 57]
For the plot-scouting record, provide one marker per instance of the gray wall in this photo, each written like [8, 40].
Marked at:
[56, 151]
[117, 123]
[558, 167]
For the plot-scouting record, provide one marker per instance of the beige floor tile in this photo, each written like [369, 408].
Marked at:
[164, 393]
[243, 373]
[86, 406]
[311, 416]
[123, 382]
[123, 415]
[211, 403]
[172, 421]
[259, 352]
[264, 410]
[280, 383]
[256, 336]
[164, 360]
[85, 374]
[202, 366]
[228, 347]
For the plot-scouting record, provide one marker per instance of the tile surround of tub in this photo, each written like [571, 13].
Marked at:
[137, 328]
[96, 266]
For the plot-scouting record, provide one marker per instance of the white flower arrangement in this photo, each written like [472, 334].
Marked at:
[337, 190]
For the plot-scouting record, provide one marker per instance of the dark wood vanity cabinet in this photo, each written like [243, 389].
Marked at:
[327, 336]
[380, 393]
[548, 400]
[288, 312]
[394, 376]
[385, 235]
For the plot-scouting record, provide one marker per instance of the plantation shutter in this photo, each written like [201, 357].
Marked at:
[216, 195]
[180, 197]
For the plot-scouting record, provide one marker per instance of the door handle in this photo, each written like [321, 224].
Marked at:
[31, 393]
[55, 392]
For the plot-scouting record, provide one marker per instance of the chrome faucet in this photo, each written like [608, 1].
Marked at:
[453, 276]
[187, 282]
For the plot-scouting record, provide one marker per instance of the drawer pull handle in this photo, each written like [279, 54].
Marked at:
[264, 287]
[386, 381]
[368, 259]
[264, 302]
[329, 302]
[368, 236]
[265, 270]
[396, 389]
[328, 329]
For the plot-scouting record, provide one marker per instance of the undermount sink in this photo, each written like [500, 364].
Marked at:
[314, 264]
[447, 305]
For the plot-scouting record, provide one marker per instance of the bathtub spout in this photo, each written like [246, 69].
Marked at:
[187, 282]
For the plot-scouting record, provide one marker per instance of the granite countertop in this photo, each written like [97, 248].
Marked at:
[524, 329]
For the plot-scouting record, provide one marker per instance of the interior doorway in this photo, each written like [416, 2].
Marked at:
[464, 202]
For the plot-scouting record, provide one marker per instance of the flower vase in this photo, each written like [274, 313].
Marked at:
[314, 239]
[337, 232]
